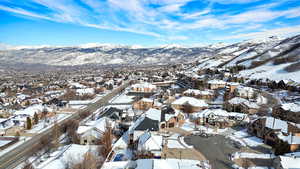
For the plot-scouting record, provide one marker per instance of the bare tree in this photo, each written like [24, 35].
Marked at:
[106, 141]
[55, 135]
[89, 161]
[71, 129]
[246, 163]
[27, 165]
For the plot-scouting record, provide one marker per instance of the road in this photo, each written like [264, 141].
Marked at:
[18, 155]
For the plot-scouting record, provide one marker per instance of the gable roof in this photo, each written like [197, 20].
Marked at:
[147, 124]
[190, 100]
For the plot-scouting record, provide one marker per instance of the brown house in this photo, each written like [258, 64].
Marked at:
[145, 104]
[143, 87]
[195, 104]
[200, 94]
[288, 111]
[272, 130]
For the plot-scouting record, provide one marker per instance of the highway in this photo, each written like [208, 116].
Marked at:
[13, 158]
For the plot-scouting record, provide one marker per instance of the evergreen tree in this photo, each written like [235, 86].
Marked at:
[36, 118]
[28, 123]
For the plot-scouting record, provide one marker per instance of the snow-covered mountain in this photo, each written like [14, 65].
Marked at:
[271, 58]
[253, 54]
[103, 54]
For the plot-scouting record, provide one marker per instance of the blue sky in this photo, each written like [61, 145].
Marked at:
[145, 22]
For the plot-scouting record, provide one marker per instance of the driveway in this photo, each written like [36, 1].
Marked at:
[215, 148]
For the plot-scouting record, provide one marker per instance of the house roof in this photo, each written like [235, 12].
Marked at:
[294, 107]
[198, 92]
[30, 111]
[144, 85]
[190, 100]
[148, 124]
[153, 114]
[276, 124]
[216, 81]
[291, 160]
[149, 141]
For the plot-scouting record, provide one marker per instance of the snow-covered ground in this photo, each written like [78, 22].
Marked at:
[245, 139]
[123, 98]
[272, 72]
[174, 144]
[43, 125]
[70, 154]
[238, 155]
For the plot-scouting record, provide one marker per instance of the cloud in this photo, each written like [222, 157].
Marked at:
[161, 19]
[177, 37]
[23, 12]
[234, 1]
[285, 31]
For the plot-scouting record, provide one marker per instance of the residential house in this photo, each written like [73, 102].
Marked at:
[245, 92]
[231, 86]
[287, 111]
[218, 118]
[91, 132]
[146, 103]
[149, 145]
[238, 104]
[272, 130]
[216, 84]
[200, 94]
[288, 161]
[196, 104]
[144, 87]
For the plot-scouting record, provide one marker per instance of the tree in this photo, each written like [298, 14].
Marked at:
[281, 147]
[110, 87]
[106, 141]
[246, 163]
[89, 161]
[36, 118]
[55, 135]
[71, 129]
[27, 103]
[27, 165]
[187, 108]
[28, 123]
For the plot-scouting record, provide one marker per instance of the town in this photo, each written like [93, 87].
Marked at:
[174, 116]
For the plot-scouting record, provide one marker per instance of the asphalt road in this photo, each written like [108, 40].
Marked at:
[215, 148]
[18, 155]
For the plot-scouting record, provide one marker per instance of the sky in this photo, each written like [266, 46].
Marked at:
[145, 22]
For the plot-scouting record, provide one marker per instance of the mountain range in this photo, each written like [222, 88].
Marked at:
[257, 55]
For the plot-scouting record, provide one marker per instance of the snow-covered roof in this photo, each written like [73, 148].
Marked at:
[190, 100]
[30, 111]
[85, 91]
[149, 141]
[146, 100]
[291, 139]
[233, 83]
[237, 100]
[216, 81]
[198, 92]
[244, 90]
[251, 105]
[144, 85]
[291, 160]
[275, 124]
[99, 125]
[153, 114]
[167, 164]
[217, 112]
[294, 107]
